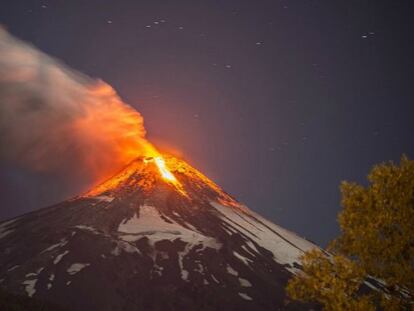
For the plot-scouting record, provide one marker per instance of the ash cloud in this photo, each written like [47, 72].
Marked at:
[54, 119]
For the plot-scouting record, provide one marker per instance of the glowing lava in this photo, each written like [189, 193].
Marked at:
[148, 174]
[168, 176]
[164, 171]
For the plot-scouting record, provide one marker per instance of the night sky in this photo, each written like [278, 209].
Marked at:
[276, 101]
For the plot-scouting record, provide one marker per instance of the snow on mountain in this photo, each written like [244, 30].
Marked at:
[140, 242]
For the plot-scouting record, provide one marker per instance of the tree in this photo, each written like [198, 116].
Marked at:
[376, 243]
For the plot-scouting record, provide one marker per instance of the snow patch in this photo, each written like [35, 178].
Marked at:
[150, 224]
[76, 267]
[245, 283]
[245, 296]
[35, 273]
[228, 230]
[13, 268]
[244, 247]
[59, 257]
[285, 246]
[30, 287]
[5, 232]
[104, 198]
[231, 271]
[157, 270]
[124, 246]
[4, 228]
[245, 260]
[190, 226]
[199, 268]
[184, 275]
[251, 245]
[31, 274]
[130, 237]
[367, 283]
[181, 255]
[61, 243]
[292, 269]
[87, 228]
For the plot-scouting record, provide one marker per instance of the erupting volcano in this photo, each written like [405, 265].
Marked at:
[158, 235]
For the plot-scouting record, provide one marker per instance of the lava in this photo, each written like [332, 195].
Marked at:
[150, 169]
[147, 173]
[165, 172]
[167, 175]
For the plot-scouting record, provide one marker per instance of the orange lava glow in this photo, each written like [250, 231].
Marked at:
[149, 169]
[166, 174]
[164, 171]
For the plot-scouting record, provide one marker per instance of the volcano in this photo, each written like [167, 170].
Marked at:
[159, 235]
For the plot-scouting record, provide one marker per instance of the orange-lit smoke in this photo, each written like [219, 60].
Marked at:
[55, 119]
[111, 133]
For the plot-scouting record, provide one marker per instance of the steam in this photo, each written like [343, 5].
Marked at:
[54, 119]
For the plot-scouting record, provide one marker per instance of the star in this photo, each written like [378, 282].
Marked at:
[369, 34]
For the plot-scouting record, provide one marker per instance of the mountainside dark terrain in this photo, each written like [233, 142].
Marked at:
[156, 236]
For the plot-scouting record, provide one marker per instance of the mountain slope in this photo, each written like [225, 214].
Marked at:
[156, 236]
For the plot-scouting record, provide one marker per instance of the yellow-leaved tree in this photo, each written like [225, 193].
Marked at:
[375, 247]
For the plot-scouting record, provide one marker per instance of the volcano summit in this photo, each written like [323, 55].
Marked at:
[159, 235]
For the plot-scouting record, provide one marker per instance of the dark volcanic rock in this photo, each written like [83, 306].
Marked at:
[141, 242]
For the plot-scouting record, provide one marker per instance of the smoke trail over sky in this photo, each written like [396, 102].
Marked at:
[54, 119]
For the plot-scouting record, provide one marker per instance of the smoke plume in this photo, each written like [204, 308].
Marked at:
[55, 119]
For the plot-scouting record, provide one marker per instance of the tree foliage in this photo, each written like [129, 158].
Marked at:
[376, 242]
[330, 280]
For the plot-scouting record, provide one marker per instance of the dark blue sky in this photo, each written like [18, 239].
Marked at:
[277, 101]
